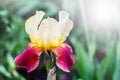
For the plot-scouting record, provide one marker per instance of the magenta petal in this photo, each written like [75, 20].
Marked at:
[29, 58]
[64, 59]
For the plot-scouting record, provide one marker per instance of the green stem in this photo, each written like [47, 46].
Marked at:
[86, 29]
[83, 16]
[49, 62]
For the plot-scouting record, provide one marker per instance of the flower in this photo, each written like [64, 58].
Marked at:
[47, 35]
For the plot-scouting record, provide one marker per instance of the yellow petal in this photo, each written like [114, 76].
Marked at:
[32, 23]
[65, 23]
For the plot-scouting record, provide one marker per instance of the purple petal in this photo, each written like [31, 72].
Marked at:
[29, 58]
[64, 59]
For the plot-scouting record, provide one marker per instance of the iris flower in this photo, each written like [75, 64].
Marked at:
[47, 35]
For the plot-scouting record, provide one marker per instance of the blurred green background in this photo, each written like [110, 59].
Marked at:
[95, 37]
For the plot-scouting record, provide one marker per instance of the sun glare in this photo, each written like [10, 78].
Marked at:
[103, 15]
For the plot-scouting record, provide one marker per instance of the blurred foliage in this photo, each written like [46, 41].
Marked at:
[93, 61]
[13, 36]
[11, 42]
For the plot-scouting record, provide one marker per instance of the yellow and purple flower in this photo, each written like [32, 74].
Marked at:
[47, 35]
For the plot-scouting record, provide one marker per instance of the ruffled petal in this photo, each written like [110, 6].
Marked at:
[65, 23]
[63, 57]
[54, 30]
[49, 32]
[29, 58]
[31, 25]
[63, 16]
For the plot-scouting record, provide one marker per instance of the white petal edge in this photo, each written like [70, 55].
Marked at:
[63, 16]
[31, 25]
[65, 23]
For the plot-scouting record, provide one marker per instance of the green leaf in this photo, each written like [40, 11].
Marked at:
[92, 47]
[117, 69]
[10, 61]
[83, 64]
[4, 71]
[108, 64]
